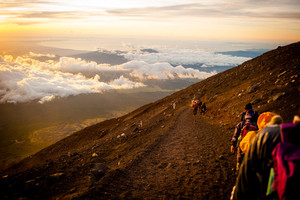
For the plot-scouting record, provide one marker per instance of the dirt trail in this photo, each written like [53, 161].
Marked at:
[191, 161]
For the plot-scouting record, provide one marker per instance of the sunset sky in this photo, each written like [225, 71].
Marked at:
[235, 20]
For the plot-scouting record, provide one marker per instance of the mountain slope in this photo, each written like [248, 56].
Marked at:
[156, 151]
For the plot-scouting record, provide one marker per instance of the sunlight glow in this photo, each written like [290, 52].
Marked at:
[215, 19]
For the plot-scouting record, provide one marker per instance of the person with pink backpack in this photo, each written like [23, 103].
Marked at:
[278, 147]
[240, 132]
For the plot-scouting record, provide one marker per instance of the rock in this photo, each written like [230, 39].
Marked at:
[54, 178]
[169, 165]
[97, 172]
[73, 154]
[240, 94]
[5, 176]
[294, 76]
[95, 155]
[213, 98]
[30, 181]
[255, 101]
[251, 89]
[96, 145]
[123, 135]
[278, 96]
[281, 74]
[57, 175]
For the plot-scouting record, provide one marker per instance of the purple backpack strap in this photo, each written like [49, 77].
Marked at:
[286, 158]
[290, 133]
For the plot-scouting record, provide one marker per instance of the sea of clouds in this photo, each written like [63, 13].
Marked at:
[183, 57]
[25, 78]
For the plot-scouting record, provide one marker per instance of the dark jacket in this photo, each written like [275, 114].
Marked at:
[252, 180]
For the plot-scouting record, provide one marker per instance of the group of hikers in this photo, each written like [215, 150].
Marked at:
[268, 156]
[198, 105]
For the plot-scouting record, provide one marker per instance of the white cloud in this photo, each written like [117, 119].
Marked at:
[46, 99]
[21, 82]
[143, 71]
[78, 65]
[124, 83]
[185, 56]
[24, 79]
[41, 55]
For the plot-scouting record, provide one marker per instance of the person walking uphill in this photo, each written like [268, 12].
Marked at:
[250, 111]
[196, 104]
[240, 132]
[195, 107]
[203, 109]
[254, 175]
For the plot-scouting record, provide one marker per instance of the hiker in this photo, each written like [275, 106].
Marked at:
[203, 109]
[199, 104]
[174, 105]
[240, 132]
[249, 110]
[262, 121]
[195, 107]
[253, 177]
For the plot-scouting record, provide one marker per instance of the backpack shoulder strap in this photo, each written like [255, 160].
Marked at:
[290, 133]
[286, 158]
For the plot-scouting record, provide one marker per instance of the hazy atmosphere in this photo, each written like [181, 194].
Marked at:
[245, 20]
[65, 65]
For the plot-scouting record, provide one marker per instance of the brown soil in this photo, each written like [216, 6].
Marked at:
[190, 160]
[173, 155]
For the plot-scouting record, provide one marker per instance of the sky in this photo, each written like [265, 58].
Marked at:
[231, 20]
[188, 26]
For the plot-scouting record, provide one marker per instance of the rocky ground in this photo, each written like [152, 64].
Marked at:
[190, 160]
[157, 152]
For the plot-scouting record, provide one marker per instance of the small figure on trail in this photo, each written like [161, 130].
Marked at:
[174, 105]
[274, 143]
[141, 123]
[195, 107]
[203, 109]
[240, 132]
[250, 111]
[199, 104]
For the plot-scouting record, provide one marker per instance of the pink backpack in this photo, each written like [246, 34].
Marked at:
[286, 158]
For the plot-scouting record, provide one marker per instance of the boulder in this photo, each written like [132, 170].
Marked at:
[97, 172]
[251, 89]
[54, 178]
[278, 96]
[94, 155]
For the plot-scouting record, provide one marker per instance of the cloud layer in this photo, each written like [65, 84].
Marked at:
[21, 82]
[185, 57]
[24, 79]
[162, 71]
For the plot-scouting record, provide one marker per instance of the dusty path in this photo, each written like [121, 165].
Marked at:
[191, 161]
